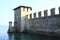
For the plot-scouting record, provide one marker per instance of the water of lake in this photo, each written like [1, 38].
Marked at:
[20, 36]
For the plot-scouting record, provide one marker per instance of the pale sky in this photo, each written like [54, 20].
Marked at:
[7, 6]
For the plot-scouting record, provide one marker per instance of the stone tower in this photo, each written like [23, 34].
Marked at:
[20, 13]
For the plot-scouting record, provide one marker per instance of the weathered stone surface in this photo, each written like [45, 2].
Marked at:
[44, 25]
[11, 30]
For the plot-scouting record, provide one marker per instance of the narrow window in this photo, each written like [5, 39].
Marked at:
[27, 9]
[23, 9]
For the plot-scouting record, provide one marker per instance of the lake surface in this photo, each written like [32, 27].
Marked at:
[21, 36]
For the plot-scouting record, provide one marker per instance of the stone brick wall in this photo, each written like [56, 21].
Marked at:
[17, 19]
[46, 23]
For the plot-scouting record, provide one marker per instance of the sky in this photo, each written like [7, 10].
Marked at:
[7, 6]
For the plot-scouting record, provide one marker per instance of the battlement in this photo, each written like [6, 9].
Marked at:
[52, 11]
[10, 24]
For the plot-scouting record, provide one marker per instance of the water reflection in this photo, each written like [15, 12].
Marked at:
[21, 36]
[11, 36]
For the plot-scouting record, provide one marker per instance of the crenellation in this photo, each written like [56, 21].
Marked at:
[39, 14]
[26, 9]
[59, 10]
[45, 13]
[22, 9]
[11, 28]
[10, 24]
[34, 15]
[52, 12]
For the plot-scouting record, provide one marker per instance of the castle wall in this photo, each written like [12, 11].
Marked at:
[46, 23]
[24, 20]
